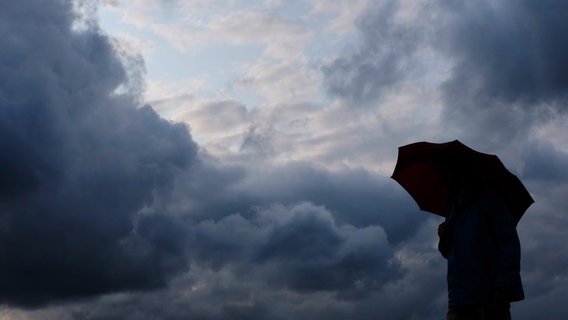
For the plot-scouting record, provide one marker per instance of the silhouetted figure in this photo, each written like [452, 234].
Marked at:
[480, 242]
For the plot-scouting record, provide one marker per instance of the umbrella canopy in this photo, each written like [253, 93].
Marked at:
[422, 169]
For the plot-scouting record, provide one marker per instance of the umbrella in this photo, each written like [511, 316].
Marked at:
[421, 170]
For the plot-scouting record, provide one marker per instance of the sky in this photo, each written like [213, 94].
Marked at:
[229, 159]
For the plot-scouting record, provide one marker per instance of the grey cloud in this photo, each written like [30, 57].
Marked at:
[299, 247]
[333, 232]
[542, 228]
[250, 287]
[308, 252]
[502, 52]
[356, 197]
[507, 61]
[509, 71]
[241, 289]
[384, 58]
[79, 164]
[259, 140]
[510, 52]
[544, 163]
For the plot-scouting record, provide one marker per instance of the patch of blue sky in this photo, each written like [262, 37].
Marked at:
[219, 60]
[110, 20]
[249, 98]
[217, 64]
[294, 9]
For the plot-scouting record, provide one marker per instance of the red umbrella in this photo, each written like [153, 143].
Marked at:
[421, 167]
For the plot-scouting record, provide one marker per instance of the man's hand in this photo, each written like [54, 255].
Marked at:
[444, 234]
[443, 229]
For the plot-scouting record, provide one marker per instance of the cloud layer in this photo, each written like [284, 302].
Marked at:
[82, 167]
[504, 61]
[285, 210]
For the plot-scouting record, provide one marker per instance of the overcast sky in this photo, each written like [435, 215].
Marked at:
[229, 159]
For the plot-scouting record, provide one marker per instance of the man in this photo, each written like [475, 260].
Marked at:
[480, 242]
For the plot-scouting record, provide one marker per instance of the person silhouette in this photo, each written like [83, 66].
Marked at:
[482, 248]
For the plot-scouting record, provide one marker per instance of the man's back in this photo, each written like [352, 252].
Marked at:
[483, 250]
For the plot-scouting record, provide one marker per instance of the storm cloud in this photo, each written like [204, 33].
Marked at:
[509, 71]
[357, 197]
[101, 195]
[507, 52]
[82, 166]
[300, 247]
[503, 62]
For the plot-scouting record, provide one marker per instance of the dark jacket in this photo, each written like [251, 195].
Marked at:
[482, 249]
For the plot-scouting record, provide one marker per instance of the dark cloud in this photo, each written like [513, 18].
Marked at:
[299, 247]
[356, 197]
[82, 167]
[101, 196]
[308, 253]
[544, 163]
[410, 287]
[502, 52]
[542, 228]
[288, 261]
[384, 58]
[509, 52]
[507, 66]
[295, 228]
